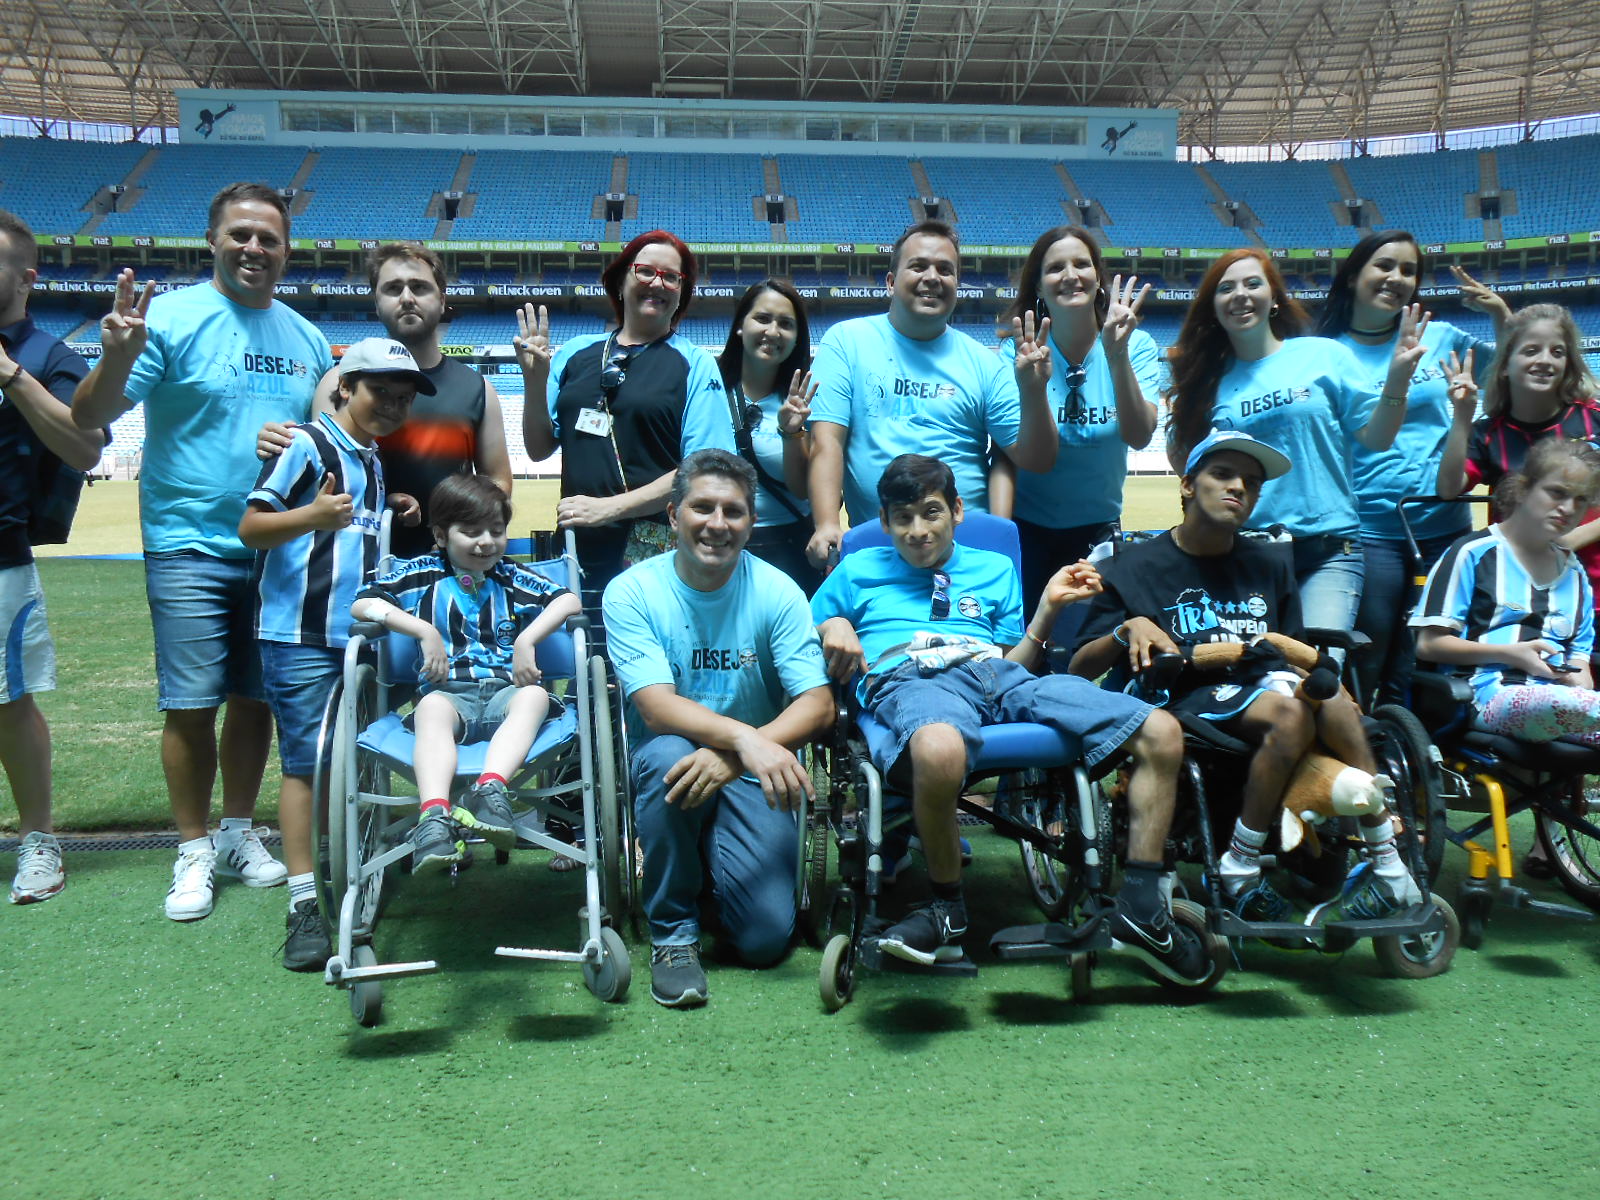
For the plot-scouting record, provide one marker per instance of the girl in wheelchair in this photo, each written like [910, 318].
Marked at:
[1513, 608]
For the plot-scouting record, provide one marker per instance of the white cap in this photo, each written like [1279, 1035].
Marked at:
[1273, 462]
[384, 356]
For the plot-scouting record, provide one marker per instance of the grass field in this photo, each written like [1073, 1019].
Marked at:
[151, 1059]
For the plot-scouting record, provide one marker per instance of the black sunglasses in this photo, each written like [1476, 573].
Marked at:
[751, 414]
[941, 596]
[616, 368]
[1073, 410]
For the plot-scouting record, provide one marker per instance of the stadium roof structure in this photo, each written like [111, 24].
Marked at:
[1242, 72]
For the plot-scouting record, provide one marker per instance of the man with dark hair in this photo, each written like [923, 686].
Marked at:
[724, 678]
[459, 428]
[37, 377]
[211, 363]
[935, 631]
[905, 381]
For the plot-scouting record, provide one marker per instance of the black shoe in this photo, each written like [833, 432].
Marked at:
[486, 810]
[676, 978]
[1171, 949]
[928, 934]
[307, 947]
[435, 843]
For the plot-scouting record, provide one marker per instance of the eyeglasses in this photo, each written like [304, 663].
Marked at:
[646, 274]
[1073, 410]
[941, 596]
[751, 415]
[616, 368]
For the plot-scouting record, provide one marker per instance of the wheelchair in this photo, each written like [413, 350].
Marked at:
[1046, 800]
[364, 827]
[1501, 777]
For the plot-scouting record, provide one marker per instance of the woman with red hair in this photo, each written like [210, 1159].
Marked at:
[624, 407]
[1239, 363]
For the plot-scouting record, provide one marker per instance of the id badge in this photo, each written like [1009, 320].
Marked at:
[595, 421]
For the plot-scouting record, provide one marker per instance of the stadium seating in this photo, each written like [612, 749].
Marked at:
[850, 199]
[1554, 184]
[1425, 194]
[535, 195]
[1153, 203]
[180, 183]
[371, 193]
[1289, 199]
[724, 187]
[49, 184]
[1000, 200]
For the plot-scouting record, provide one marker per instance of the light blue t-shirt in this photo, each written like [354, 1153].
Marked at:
[945, 398]
[212, 374]
[1308, 399]
[889, 601]
[743, 651]
[1085, 485]
[1411, 466]
[766, 439]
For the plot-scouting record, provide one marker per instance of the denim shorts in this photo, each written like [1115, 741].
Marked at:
[482, 705]
[203, 611]
[1000, 692]
[299, 680]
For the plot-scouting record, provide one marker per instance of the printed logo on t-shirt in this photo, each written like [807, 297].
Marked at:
[1254, 406]
[902, 397]
[968, 606]
[710, 658]
[1196, 617]
[505, 632]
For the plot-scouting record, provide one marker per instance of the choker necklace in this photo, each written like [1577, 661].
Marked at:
[1374, 332]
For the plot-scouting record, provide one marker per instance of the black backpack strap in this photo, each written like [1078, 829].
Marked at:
[747, 451]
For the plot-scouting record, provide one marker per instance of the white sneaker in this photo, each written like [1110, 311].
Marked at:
[40, 874]
[193, 886]
[244, 857]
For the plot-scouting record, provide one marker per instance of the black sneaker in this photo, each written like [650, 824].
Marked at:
[1171, 949]
[676, 978]
[928, 934]
[307, 947]
[435, 843]
[486, 810]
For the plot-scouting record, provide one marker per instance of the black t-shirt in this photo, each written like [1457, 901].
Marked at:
[1196, 599]
[439, 439]
[49, 360]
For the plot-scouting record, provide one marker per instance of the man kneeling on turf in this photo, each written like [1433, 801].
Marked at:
[1201, 583]
[937, 629]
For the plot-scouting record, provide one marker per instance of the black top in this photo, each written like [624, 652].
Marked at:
[439, 439]
[49, 360]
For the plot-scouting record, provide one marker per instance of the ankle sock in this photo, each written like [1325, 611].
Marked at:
[442, 805]
[195, 845]
[302, 887]
[1241, 862]
[231, 829]
[1385, 854]
[1143, 892]
[490, 777]
[950, 893]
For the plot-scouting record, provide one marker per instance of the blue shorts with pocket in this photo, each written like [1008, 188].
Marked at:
[203, 611]
[299, 680]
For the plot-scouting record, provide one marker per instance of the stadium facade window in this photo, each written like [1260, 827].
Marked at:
[376, 120]
[413, 120]
[822, 129]
[525, 122]
[601, 125]
[639, 125]
[894, 131]
[966, 131]
[928, 131]
[858, 129]
[491, 121]
[335, 120]
[451, 120]
[564, 124]
[752, 127]
[997, 133]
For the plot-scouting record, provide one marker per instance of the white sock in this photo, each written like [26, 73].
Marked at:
[231, 829]
[195, 845]
[302, 887]
[1380, 842]
[1241, 862]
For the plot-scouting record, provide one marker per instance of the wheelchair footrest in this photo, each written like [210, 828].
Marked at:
[1052, 940]
[1519, 897]
[1334, 935]
[342, 976]
[545, 955]
[871, 956]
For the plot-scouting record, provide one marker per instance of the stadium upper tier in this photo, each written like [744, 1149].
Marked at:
[1535, 189]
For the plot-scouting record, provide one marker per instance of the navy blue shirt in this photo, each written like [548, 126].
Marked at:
[49, 360]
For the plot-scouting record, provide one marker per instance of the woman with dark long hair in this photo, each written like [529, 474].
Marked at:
[1368, 297]
[1240, 364]
[1103, 387]
[766, 371]
[624, 407]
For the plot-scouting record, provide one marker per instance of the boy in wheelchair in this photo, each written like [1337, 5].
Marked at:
[936, 630]
[1199, 583]
[478, 619]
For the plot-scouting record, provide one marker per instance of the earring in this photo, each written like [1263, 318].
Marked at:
[1273, 312]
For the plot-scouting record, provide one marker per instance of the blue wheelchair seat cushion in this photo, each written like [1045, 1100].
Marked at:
[389, 739]
[1004, 747]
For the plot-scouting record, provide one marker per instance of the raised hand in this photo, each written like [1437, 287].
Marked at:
[1463, 387]
[329, 509]
[1480, 297]
[532, 342]
[1408, 349]
[1122, 318]
[796, 409]
[1033, 350]
[123, 332]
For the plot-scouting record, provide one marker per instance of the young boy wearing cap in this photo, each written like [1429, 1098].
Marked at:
[314, 516]
[1199, 582]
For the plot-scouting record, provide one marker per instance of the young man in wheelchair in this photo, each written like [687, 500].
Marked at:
[1200, 583]
[936, 630]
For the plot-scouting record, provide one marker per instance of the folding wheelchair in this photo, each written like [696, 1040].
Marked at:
[571, 773]
[1045, 799]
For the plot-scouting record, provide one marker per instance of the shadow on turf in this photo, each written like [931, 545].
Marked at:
[556, 1027]
[911, 1022]
[396, 1043]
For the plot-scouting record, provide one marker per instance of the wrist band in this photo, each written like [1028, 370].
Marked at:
[1119, 635]
[1039, 641]
[14, 374]
[1391, 401]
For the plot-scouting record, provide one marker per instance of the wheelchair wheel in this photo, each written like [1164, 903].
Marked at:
[1082, 968]
[1573, 854]
[609, 980]
[1190, 914]
[366, 996]
[616, 876]
[1424, 955]
[814, 899]
[836, 978]
[1046, 804]
[332, 809]
[1410, 759]
[1473, 902]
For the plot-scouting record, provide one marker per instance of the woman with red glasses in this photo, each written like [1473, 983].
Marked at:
[624, 407]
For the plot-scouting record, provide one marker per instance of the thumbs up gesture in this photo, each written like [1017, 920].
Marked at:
[330, 509]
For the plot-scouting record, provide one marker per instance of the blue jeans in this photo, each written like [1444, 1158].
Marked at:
[203, 610]
[748, 850]
[298, 680]
[1329, 572]
[1387, 597]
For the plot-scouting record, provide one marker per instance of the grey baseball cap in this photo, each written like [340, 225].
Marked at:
[384, 356]
[1273, 462]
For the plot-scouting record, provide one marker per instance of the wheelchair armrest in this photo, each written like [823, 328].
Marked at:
[577, 621]
[1337, 639]
[371, 630]
[1440, 700]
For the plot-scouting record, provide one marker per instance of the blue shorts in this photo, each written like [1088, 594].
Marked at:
[482, 705]
[1000, 692]
[203, 611]
[299, 680]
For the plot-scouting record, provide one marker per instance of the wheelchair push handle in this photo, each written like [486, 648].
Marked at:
[1412, 549]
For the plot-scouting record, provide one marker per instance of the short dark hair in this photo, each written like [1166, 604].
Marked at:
[464, 499]
[410, 251]
[611, 277]
[713, 461]
[1549, 456]
[931, 229]
[245, 193]
[910, 477]
[731, 360]
[23, 248]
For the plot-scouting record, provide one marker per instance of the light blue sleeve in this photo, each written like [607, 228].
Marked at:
[150, 368]
[552, 386]
[1002, 416]
[1583, 641]
[635, 648]
[835, 598]
[833, 369]
[707, 422]
[1349, 390]
[1010, 624]
[1145, 358]
[283, 481]
[796, 650]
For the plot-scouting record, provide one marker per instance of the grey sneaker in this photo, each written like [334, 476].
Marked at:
[486, 810]
[677, 980]
[40, 874]
[928, 934]
[435, 843]
[245, 857]
[306, 948]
